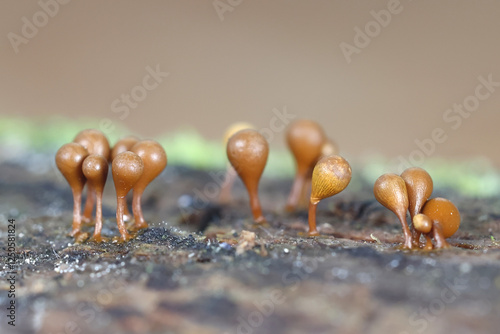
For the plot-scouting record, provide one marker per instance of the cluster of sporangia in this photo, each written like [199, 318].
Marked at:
[316, 160]
[437, 217]
[136, 163]
[325, 173]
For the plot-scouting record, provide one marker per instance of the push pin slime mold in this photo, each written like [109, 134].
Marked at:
[127, 169]
[305, 139]
[95, 142]
[390, 191]
[445, 219]
[423, 225]
[95, 168]
[328, 148]
[330, 176]
[419, 187]
[69, 160]
[247, 151]
[123, 145]
[225, 191]
[154, 159]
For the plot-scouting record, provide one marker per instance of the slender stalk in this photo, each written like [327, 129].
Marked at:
[89, 203]
[428, 242]
[406, 231]
[312, 218]
[119, 218]
[77, 218]
[227, 185]
[126, 213]
[437, 231]
[255, 204]
[294, 196]
[98, 218]
[140, 223]
[416, 237]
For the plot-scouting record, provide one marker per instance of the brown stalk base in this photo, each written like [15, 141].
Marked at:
[439, 239]
[313, 232]
[89, 205]
[408, 243]
[294, 196]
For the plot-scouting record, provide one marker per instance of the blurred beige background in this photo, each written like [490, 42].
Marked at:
[245, 58]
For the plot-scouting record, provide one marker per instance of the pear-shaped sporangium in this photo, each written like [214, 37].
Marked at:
[330, 176]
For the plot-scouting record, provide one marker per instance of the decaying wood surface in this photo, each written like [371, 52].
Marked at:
[184, 274]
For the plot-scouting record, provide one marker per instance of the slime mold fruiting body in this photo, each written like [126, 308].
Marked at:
[154, 160]
[127, 169]
[305, 139]
[330, 176]
[390, 191]
[69, 160]
[95, 142]
[419, 186]
[95, 168]
[247, 151]
[123, 145]
[225, 191]
[445, 219]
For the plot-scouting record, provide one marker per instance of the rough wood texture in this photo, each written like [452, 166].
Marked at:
[172, 279]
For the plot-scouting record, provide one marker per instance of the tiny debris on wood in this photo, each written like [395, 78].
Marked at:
[246, 242]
